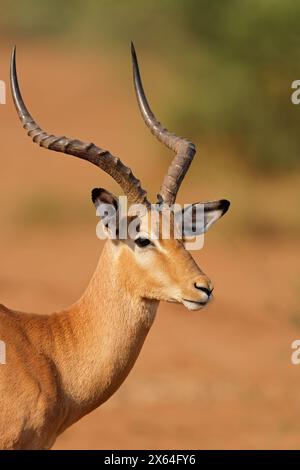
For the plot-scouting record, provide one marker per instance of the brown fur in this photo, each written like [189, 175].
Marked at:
[62, 366]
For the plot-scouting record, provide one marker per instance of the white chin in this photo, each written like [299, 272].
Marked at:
[193, 305]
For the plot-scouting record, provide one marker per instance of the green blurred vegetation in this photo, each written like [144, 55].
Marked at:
[232, 62]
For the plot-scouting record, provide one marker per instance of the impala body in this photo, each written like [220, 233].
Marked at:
[60, 367]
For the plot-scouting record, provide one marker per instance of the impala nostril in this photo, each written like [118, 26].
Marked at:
[203, 289]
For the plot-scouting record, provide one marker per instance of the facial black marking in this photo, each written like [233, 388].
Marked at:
[142, 242]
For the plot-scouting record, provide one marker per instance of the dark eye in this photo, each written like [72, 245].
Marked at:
[142, 242]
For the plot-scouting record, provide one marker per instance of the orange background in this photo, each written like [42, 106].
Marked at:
[218, 378]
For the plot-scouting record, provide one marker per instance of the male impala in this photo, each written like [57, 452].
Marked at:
[60, 367]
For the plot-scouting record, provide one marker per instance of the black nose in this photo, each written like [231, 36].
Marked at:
[203, 289]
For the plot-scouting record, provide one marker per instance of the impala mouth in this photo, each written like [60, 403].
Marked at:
[194, 304]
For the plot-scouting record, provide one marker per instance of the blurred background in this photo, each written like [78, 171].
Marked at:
[219, 73]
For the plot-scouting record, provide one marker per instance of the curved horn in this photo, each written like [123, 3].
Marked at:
[184, 149]
[87, 151]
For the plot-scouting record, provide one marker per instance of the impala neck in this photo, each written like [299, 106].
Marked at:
[98, 339]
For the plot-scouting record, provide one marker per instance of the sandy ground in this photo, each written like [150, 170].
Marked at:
[218, 378]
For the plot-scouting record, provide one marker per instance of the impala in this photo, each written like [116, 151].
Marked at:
[60, 367]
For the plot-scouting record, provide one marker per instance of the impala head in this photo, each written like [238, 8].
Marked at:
[157, 267]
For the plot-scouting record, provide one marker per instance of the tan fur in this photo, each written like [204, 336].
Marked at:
[62, 366]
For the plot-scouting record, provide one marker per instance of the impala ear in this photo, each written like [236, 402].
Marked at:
[108, 210]
[101, 196]
[199, 217]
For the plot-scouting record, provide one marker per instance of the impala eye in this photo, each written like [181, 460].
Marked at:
[142, 242]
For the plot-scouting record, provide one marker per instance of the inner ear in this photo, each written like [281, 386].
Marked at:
[101, 196]
[199, 217]
[108, 210]
[107, 206]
